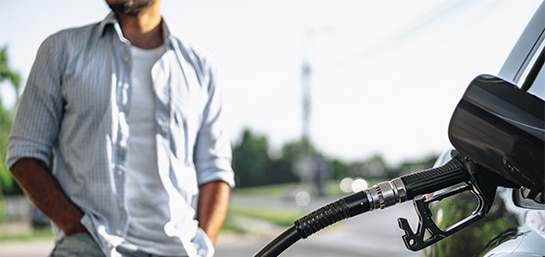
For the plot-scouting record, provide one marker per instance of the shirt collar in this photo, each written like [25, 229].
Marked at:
[111, 20]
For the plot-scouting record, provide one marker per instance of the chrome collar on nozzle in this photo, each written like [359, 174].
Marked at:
[386, 194]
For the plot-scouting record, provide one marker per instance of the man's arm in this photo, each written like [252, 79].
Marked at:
[212, 208]
[45, 193]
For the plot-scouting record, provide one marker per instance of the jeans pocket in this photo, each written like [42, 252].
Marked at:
[80, 245]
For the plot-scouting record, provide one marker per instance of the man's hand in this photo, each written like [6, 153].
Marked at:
[45, 193]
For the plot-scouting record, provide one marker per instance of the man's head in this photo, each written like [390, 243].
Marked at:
[129, 7]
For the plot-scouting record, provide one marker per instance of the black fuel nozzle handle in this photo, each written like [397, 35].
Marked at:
[434, 179]
[481, 184]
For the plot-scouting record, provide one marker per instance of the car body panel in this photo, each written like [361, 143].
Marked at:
[507, 229]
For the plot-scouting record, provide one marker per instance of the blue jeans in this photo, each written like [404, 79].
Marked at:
[80, 245]
[83, 245]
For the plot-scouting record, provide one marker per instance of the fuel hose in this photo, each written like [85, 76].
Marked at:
[379, 196]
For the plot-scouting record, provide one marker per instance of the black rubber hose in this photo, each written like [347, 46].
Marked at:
[341, 209]
[280, 243]
[344, 208]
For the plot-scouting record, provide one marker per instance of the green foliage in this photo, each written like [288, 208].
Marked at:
[5, 71]
[281, 217]
[339, 169]
[292, 150]
[250, 158]
[253, 165]
[27, 235]
[6, 180]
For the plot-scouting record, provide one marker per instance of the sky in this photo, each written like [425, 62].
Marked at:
[385, 75]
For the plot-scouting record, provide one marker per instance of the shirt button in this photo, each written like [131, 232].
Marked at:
[126, 59]
[120, 173]
[119, 232]
[108, 245]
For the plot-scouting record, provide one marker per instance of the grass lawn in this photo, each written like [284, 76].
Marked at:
[27, 235]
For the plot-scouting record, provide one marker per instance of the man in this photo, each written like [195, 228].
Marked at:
[132, 119]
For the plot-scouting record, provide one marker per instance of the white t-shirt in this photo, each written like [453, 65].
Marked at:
[147, 200]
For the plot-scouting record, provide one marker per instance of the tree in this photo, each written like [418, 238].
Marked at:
[251, 159]
[339, 169]
[6, 74]
[253, 165]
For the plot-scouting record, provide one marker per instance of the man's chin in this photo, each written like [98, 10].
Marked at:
[130, 7]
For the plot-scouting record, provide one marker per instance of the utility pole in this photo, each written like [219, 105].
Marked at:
[304, 165]
[306, 72]
[308, 166]
[307, 106]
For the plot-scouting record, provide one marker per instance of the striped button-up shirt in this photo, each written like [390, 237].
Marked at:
[75, 107]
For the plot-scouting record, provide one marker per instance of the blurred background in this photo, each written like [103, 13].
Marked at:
[322, 97]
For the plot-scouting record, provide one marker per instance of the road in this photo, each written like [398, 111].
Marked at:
[371, 234]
